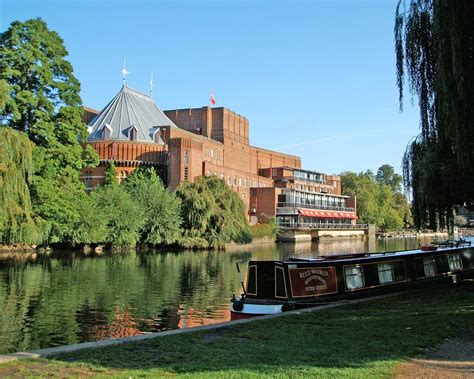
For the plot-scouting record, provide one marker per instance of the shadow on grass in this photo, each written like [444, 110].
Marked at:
[369, 338]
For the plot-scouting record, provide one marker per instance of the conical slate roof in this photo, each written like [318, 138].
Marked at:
[128, 110]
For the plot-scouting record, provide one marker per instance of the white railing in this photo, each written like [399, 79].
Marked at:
[319, 225]
[313, 206]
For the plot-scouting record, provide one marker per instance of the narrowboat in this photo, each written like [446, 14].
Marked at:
[278, 286]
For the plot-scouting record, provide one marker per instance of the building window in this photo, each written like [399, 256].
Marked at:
[385, 273]
[235, 181]
[354, 276]
[228, 180]
[88, 180]
[156, 136]
[132, 133]
[106, 131]
[429, 265]
[455, 263]
[123, 176]
[185, 164]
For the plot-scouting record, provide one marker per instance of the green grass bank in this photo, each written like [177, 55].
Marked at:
[358, 341]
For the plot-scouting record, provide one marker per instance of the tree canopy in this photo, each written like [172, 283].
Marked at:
[212, 213]
[18, 223]
[42, 100]
[434, 44]
[379, 200]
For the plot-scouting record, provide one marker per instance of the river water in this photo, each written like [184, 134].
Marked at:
[68, 297]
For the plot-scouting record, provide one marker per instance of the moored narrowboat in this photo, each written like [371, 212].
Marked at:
[278, 286]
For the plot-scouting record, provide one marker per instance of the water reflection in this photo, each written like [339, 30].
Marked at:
[70, 298]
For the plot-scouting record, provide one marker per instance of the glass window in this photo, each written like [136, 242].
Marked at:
[185, 164]
[123, 176]
[385, 273]
[455, 263]
[88, 179]
[354, 277]
[429, 265]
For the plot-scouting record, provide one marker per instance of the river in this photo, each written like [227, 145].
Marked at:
[67, 297]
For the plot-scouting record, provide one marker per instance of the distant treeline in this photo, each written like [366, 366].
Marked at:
[380, 200]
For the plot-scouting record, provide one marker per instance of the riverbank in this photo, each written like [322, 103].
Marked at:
[369, 339]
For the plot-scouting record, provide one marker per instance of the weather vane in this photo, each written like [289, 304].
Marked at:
[124, 71]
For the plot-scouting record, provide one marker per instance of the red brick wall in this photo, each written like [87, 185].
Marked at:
[130, 151]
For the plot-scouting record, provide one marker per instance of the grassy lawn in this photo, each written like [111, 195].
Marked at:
[357, 341]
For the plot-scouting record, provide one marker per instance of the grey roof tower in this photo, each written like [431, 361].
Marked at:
[131, 115]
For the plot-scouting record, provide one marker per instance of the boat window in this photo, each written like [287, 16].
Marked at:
[280, 288]
[429, 265]
[455, 263]
[252, 280]
[354, 276]
[385, 273]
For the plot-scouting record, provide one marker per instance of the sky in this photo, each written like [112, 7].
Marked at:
[315, 79]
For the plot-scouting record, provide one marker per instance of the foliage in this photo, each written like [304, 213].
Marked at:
[386, 175]
[434, 43]
[124, 217]
[4, 96]
[43, 101]
[212, 211]
[160, 207]
[110, 174]
[18, 223]
[379, 201]
[262, 230]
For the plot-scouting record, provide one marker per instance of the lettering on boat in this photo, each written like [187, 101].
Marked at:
[307, 281]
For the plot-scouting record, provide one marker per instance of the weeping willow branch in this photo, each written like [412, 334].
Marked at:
[17, 221]
[434, 45]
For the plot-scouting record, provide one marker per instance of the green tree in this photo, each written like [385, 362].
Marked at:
[110, 174]
[18, 223]
[160, 207]
[212, 213]
[44, 103]
[387, 175]
[379, 201]
[124, 218]
[4, 95]
[434, 43]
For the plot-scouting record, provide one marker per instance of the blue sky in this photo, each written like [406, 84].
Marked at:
[315, 78]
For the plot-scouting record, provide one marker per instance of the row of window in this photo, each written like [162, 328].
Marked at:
[237, 181]
[308, 176]
[312, 199]
[354, 275]
[313, 189]
[211, 153]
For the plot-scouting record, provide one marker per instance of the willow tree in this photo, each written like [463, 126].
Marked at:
[43, 102]
[434, 43]
[18, 224]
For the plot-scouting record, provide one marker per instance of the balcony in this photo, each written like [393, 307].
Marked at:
[318, 225]
[313, 206]
[300, 179]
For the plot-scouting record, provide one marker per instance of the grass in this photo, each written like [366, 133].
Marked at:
[359, 340]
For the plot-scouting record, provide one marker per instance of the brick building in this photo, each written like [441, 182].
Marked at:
[183, 144]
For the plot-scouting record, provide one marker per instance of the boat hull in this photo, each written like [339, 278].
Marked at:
[240, 310]
[274, 287]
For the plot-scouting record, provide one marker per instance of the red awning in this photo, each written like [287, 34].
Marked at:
[326, 214]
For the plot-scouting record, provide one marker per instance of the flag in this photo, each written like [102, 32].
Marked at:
[213, 100]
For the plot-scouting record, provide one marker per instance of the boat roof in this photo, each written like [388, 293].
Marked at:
[359, 257]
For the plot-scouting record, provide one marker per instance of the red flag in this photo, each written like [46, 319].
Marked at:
[213, 100]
